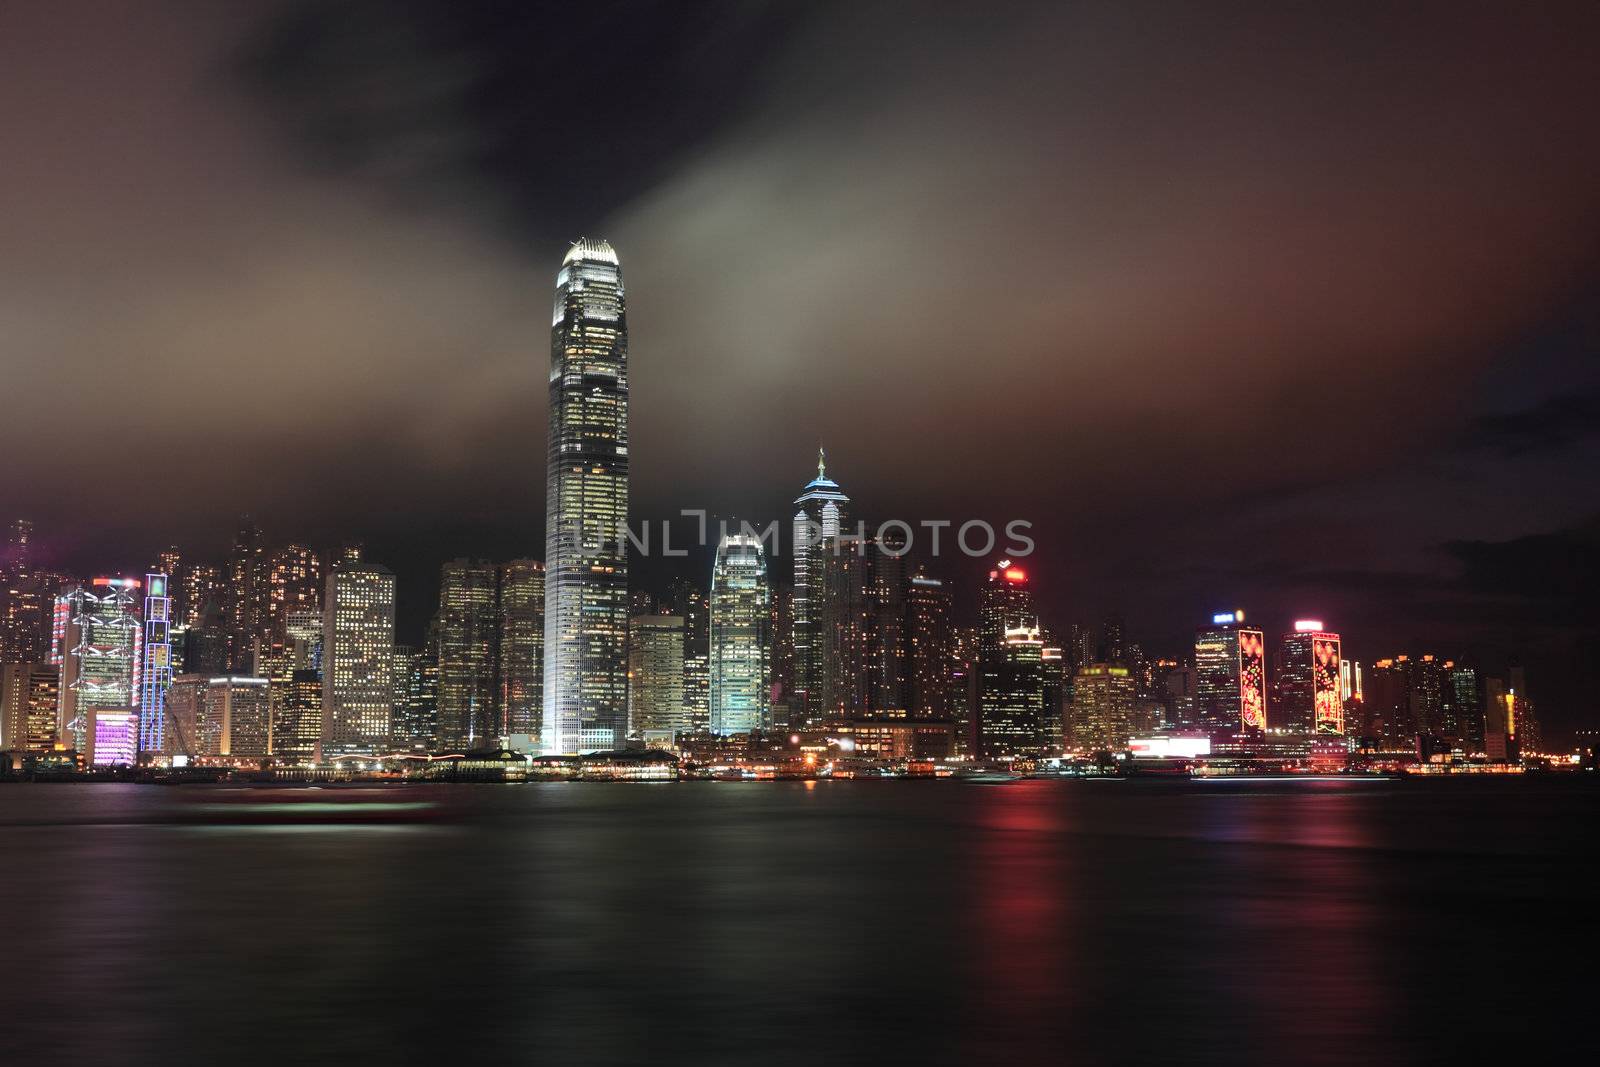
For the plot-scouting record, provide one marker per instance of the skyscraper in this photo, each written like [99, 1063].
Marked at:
[196, 585]
[29, 696]
[98, 646]
[232, 715]
[1464, 720]
[522, 647]
[27, 597]
[1232, 683]
[1102, 705]
[155, 676]
[245, 580]
[357, 658]
[291, 581]
[740, 647]
[586, 565]
[839, 603]
[689, 601]
[1011, 684]
[416, 697]
[929, 649]
[1309, 694]
[820, 514]
[655, 676]
[469, 626]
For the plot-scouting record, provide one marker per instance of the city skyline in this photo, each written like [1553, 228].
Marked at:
[1433, 491]
[1433, 481]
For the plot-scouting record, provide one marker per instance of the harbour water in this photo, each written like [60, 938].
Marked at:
[1062, 921]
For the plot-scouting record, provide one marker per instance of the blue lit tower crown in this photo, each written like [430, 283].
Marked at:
[586, 510]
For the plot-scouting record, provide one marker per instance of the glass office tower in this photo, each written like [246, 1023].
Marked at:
[739, 648]
[586, 512]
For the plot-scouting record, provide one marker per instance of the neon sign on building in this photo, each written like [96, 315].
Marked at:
[1252, 681]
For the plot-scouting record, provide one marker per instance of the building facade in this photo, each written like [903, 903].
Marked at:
[655, 676]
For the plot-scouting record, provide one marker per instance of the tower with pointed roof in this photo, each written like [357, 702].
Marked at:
[820, 512]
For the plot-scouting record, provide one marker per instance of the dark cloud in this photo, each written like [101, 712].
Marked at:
[1556, 423]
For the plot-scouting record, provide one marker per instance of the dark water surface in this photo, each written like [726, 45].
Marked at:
[777, 922]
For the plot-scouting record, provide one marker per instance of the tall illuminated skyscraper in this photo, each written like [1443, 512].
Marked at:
[1229, 659]
[357, 658]
[1309, 689]
[740, 649]
[156, 676]
[522, 647]
[586, 508]
[1012, 719]
[820, 514]
[98, 642]
[469, 624]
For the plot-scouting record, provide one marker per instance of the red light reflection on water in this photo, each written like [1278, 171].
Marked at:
[1019, 882]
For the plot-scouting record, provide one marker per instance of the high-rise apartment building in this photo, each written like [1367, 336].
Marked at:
[357, 658]
[586, 564]
[740, 641]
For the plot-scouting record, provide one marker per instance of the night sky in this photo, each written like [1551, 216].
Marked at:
[1262, 305]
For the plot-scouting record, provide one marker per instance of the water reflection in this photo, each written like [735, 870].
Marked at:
[712, 922]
